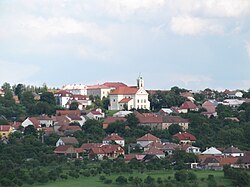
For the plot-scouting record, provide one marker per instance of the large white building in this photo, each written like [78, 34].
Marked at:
[76, 89]
[130, 97]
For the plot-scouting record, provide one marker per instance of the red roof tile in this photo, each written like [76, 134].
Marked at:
[68, 112]
[153, 151]
[88, 146]
[111, 148]
[110, 119]
[148, 137]
[125, 91]
[148, 117]
[125, 100]
[70, 140]
[113, 137]
[184, 136]
[5, 127]
[64, 149]
[97, 150]
[114, 84]
[70, 128]
[188, 105]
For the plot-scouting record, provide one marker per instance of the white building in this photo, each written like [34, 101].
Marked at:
[98, 90]
[114, 137]
[62, 98]
[130, 97]
[76, 89]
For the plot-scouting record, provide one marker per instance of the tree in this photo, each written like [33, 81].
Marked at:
[174, 128]
[74, 105]
[19, 90]
[48, 97]
[30, 130]
[121, 180]
[181, 176]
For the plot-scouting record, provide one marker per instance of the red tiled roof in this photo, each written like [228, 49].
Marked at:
[113, 137]
[246, 158]
[48, 130]
[94, 112]
[153, 151]
[148, 117]
[114, 84]
[157, 145]
[68, 112]
[64, 149]
[5, 128]
[186, 94]
[125, 91]
[188, 105]
[97, 150]
[16, 124]
[184, 136]
[110, 119]
[125, 100]
[148, 137]
[72, 128]
[88, 146]
[73, 117]
[35, 122]
[111, 148]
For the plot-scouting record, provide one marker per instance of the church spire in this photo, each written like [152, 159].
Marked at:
[140, 82]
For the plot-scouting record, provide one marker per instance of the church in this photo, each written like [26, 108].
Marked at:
[128, 97]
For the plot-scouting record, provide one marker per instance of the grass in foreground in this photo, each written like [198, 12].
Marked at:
[95, 181]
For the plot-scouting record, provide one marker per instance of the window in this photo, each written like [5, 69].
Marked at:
[138, 101]
[114, 100]
[144, 100]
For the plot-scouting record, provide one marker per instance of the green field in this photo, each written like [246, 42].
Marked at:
[95, 182]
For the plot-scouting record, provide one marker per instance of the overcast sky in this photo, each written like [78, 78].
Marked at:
[187, 43]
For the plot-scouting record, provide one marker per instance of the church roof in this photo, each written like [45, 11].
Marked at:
[124, 90]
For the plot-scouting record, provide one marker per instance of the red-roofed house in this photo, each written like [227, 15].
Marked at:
[31, 121]
[187, 106]
[62, 97]
[154, 151]
[108, 120]
[147, 139]
[5, 130]
[96, 114]
[110, 151]
[114, 138]
[67, 141]
[130, 97]
[67, 150]
[185, 137]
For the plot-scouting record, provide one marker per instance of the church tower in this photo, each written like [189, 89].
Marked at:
[140, 82]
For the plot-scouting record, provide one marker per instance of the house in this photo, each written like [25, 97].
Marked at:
[98, 90]
[170, 120]
[62, 98]
[233, 151]
[79, 119]
[31, 121]
[75, 89]
[165, 111]
[45, 121]
[114, 138]
[67, 150]
[233, 102]
[87, 146]
[187, 106]
[68, 130]
[154, 151]
[212, 151]
[169, 147]
[190, 149]
[110, 151]
[185, 138]
[5, 131]
[157, 145]
[233, 94]
[188, 95]
[147, 139]
[211, 163]
[82, 100]
[108, 120]
[244, 161]
[96, 114]
[149, 119]
[122, 114]
[67, 141]
[130, 97]
[210, 105]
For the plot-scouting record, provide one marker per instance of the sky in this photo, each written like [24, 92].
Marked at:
[194, 44]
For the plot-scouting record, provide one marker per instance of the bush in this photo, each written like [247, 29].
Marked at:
[107, 181]
[121, 180]
[102, 178]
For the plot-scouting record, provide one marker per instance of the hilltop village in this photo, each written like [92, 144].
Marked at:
[208, 129]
